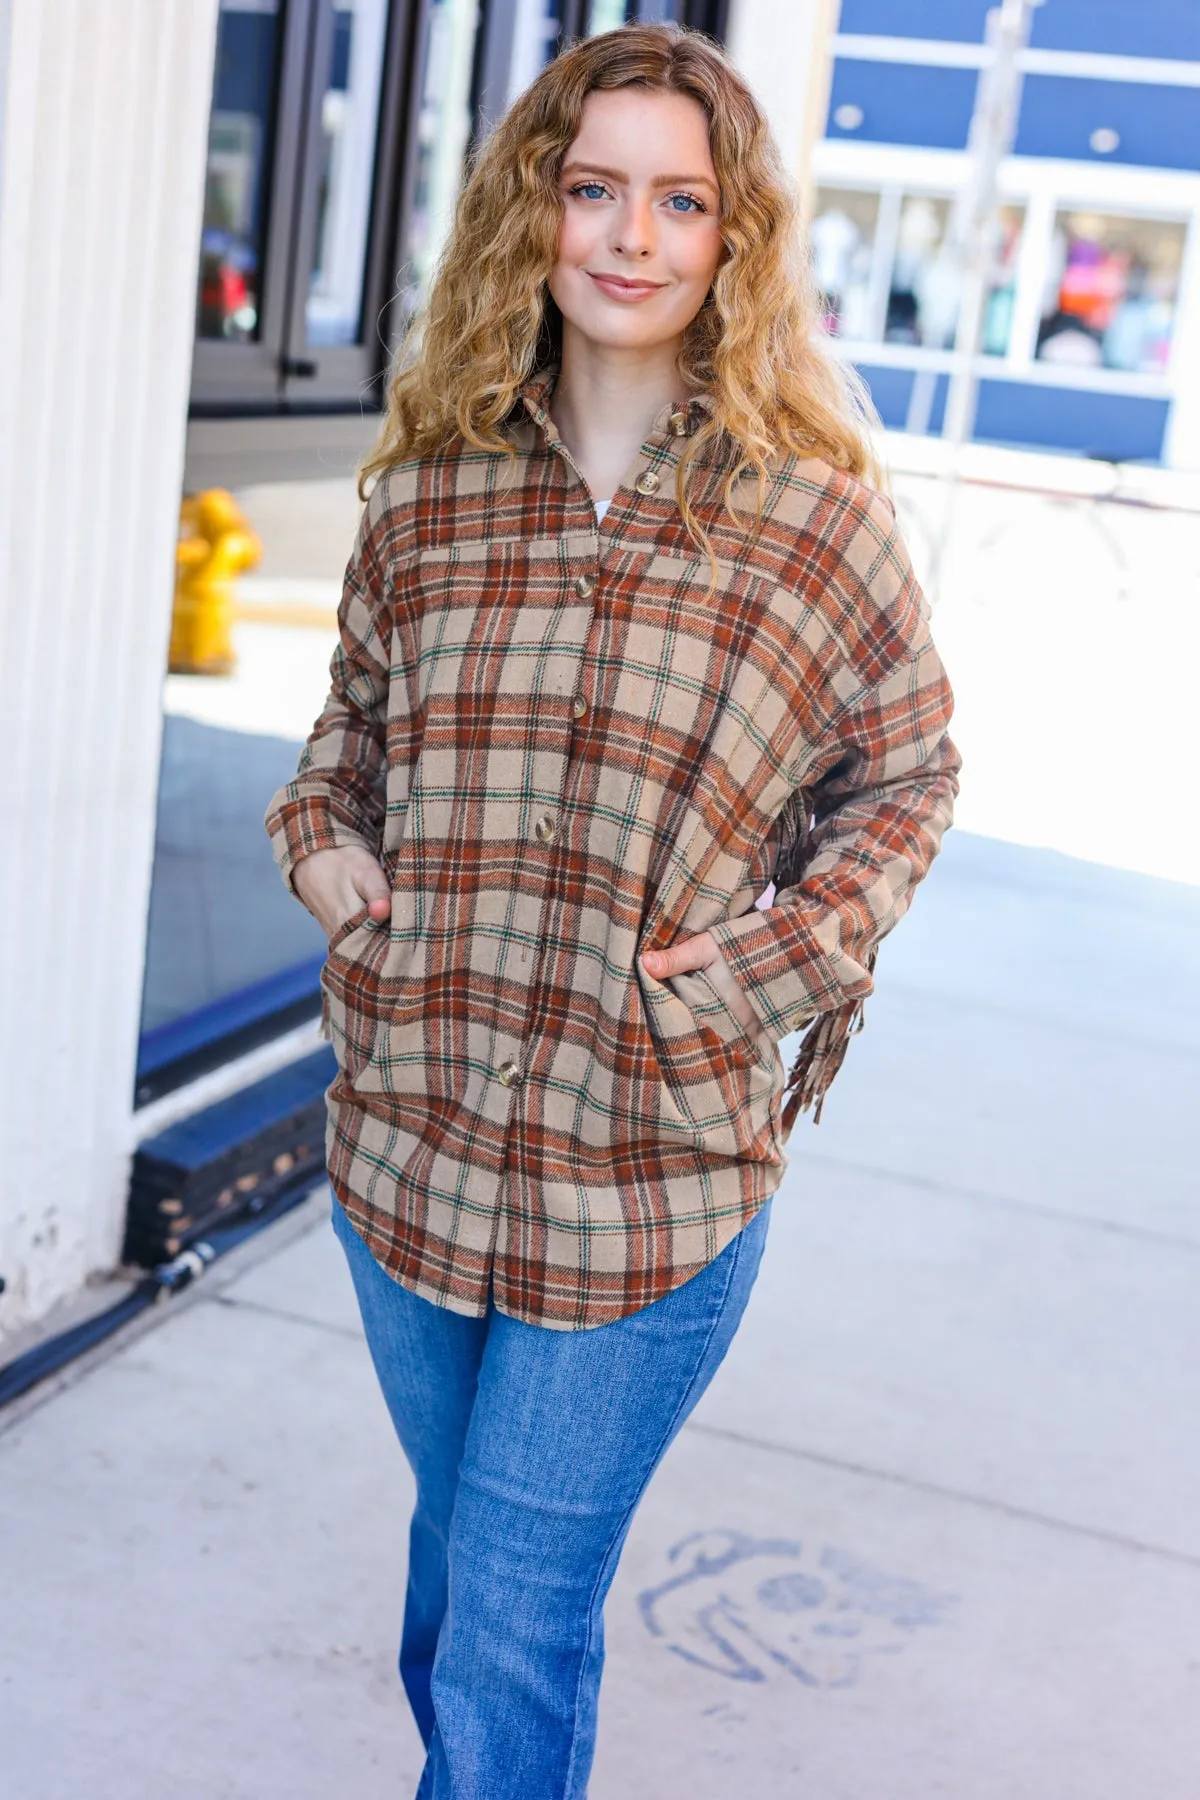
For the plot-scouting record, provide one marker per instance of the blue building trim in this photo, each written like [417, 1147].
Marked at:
[1111, 427]
[904, 103]
[1159, 127]
[930, 108]
[950, 21]
[230, 1014]
[1160, 28]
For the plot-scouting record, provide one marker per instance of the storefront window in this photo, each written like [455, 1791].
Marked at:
[921, 308]
[229, 298]
[443, 132]
[349, 124]
[536, 28]
[1111, 293]
[606, 15]
[881, 261]
[842, 236]
[231, 958]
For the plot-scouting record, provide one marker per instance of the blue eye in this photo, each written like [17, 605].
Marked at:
[590, 190]
[689, 201]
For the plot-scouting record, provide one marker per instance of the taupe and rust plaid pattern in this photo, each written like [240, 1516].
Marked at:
[565, 750]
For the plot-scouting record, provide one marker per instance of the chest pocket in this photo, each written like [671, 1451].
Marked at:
[501, 625]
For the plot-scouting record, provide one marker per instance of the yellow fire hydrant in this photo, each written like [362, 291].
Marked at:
[215, 545]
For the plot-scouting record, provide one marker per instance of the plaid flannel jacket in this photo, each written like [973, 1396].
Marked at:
[565, 750]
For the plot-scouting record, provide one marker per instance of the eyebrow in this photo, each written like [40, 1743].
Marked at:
[660, 181]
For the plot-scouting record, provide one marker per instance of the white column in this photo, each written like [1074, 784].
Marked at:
[105, 122]
[785, 52]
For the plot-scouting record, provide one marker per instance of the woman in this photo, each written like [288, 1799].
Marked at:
[626, 633]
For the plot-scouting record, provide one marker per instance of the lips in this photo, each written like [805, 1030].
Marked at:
[619, 288]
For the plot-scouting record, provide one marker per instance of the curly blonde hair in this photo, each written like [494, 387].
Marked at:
[758, 349]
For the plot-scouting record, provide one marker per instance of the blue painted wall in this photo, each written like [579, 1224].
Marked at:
[1159, 126]
[958, 21]
[902, 104]
[1120, 27]
[1117, 427]
[1169, 28]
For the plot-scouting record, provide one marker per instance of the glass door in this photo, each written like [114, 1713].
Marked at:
[254, 128]
[336, 339]
[310, 100]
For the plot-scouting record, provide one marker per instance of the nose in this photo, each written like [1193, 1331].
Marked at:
[633, 228]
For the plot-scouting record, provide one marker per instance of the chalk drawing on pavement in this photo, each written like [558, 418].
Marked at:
[756, 1608]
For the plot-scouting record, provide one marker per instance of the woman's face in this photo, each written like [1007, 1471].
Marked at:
[640, 238]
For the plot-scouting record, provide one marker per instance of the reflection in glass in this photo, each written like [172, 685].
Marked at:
[925, 288]
[349, 129]
[1001, 301]
[1111, 292]
[918, 308]
[842, 236]
[229, 297]
[606, 15]
[443, 132]
[881, 261]
[536, 28]
[226, 944]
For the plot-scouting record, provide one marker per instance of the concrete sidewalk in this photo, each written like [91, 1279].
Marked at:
[934, 1531]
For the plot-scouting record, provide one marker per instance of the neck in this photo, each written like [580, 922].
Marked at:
[605, 401]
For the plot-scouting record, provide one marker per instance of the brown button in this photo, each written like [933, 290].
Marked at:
[579, 706]
[585, 587]
[647, 483]
[545, 828]
[509, 1073]
[678, 423]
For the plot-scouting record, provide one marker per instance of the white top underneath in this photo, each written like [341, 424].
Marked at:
[602, 507]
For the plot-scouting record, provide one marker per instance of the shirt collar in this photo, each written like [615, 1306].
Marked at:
[678, 419]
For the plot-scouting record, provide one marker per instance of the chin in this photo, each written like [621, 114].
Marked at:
[609, 334]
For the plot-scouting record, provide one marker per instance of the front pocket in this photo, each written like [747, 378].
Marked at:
[350, 983]
[709, 1006]
[720, 1080]
[344, 930]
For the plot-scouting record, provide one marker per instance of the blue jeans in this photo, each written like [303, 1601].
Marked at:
[531, 1449]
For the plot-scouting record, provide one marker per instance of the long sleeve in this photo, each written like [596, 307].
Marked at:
[876, 791]
[337, 796]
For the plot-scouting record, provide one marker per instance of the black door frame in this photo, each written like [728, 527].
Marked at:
[278, 372]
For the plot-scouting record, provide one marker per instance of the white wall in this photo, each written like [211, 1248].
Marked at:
[785, 53]
[102, 164]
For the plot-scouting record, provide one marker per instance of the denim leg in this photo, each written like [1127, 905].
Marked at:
[566, 1432]
[427, 1360]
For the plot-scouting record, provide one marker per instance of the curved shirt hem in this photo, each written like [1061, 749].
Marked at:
[582, 1313]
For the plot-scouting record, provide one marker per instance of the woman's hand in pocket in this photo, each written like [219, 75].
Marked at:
[700, 952]
[335, 884]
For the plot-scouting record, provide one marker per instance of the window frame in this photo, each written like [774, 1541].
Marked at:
[278, 373]
[1043, 187]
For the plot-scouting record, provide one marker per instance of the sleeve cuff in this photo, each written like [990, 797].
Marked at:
[787, 983]
[308, 830]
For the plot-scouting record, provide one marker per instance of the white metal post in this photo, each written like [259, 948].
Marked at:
[970, 241]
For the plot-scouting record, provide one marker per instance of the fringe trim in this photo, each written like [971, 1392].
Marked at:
[821, 1054]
